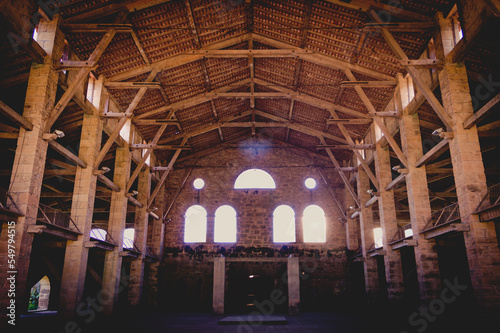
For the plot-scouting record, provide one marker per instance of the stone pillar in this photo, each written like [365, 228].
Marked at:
[219, 284]
[117, 217]
[351, 225]
[82, 208]
[29, 164]
[157, 234]
[141, 234]
[418, 198]
[481, 243]
[366, 226]
[388, 223]
[293, 285]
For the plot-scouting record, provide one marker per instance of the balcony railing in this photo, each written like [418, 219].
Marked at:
[490, 200]
[7, 202]
[443, 216]
[404, 232]
[151, 254]
[100, 234]
[57, 218]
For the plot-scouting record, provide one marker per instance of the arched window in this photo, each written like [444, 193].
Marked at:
[39, 295]
[195, 225]
[128, 238]
[314, 225]
[225, 225]
[284, 224]
[254, 178]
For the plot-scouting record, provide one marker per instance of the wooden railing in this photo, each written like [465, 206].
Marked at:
[443, 216]
[489, 201]
[402, 233]
[7, 202]
[55, 217]
[100, 234]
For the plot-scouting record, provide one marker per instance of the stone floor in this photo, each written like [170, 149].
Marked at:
[343, 321]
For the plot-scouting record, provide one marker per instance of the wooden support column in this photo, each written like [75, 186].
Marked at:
[351, 224]
[387, 212]
[29, 164]
[480, 242]
[366, 226]
[116, 226]
[140, 238]
[219, 284]
[82, 208]
[418, 197]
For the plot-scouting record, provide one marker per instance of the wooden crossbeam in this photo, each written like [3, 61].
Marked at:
[395, 182]
[121, 123]
[482, 113]
[378, 120]
[368, 84]
[434, 153]
[80, 77]
[349, 121]
[15, 117]
[332, 193]
[429, 95]
[341, 173]
[108, 182]
[132, 85]
[145, 156]
[165, 174]
[422, 63]
[348, 147]
[92, 28]
[66, 153]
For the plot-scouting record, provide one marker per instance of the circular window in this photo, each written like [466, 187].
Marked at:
[199, 184]
[310, 183]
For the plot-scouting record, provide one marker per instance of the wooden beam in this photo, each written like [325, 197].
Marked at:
[165, 174]
[341, 173]
[177, 192]
[323, 60]
[132, 85]
[429, 95]
[348, 147]
[434, 153]
[482, 113]
[422, 63]
[9, 136]
[67, 154]
[106, 181]
[378, 120]
[368, 84]
[304, 98]
[332, 193]
[349, 121]
[395, 182]
[15, 117]
[145, 157]
[80, 77]
[93, 28]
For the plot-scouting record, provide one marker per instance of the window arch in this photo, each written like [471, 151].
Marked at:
[284, 224]
[254, 178]
[195, 225]
[225, 225]
[314, 224]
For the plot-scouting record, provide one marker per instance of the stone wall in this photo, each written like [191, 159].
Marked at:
[186, 270]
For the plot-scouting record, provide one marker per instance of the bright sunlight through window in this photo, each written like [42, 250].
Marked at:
[195, 225]
[225, 225]
[98, 233]
[377, 236]
[314, 225]
[284, 224]
[128, 238]
[254, 179]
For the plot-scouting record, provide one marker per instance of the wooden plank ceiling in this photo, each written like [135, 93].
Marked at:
[211, 56]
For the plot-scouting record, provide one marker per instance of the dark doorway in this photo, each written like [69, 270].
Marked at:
[410, 278]
[357, 284]
[250, 286]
